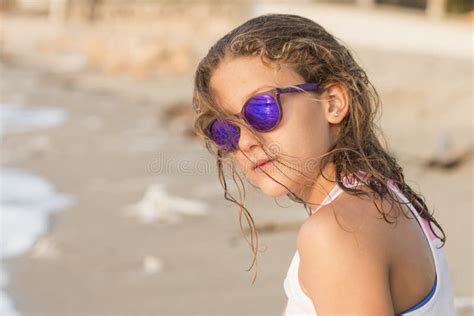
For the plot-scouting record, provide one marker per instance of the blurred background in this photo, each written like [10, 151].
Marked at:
[111, 206]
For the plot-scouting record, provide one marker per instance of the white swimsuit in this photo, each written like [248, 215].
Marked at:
[439, 301]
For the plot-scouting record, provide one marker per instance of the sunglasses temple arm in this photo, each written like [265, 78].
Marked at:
[305, 86]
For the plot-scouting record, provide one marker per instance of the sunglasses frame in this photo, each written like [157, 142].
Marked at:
[308, 86]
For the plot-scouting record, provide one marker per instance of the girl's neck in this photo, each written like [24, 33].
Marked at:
[322, 186]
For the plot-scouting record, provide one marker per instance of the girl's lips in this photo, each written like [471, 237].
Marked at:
[261, 163]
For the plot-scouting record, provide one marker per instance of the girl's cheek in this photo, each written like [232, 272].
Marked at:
[243, 163]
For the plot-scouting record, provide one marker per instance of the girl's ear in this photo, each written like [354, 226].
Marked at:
[337, 104]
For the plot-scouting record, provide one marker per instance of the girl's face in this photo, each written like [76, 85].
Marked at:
[305, 133]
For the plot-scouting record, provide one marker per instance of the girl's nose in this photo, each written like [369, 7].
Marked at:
[247, 140]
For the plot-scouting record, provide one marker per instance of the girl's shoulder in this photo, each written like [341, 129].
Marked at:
[351, 221]
[346, 244]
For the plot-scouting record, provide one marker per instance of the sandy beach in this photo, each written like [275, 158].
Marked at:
[125, 155]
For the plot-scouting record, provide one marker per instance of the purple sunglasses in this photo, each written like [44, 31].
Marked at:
[262, 112]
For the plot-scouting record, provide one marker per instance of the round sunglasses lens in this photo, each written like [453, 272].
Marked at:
[225, 134]
[262, 112]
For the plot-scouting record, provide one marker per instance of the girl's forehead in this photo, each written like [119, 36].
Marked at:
[237, 79]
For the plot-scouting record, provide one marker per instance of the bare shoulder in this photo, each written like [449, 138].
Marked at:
[350, 219]
[344, 259]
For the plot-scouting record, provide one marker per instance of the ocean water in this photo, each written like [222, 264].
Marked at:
[19, 118]
[26, 200]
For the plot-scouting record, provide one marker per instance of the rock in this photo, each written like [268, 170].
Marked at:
[152, 264]
[451, 158]
[159, 205]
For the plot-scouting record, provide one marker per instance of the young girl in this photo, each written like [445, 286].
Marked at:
[286, 103]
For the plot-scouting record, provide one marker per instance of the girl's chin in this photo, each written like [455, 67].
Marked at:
[272, 189]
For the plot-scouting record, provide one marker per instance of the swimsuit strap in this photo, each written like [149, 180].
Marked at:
[348, 181]
[425, 224]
